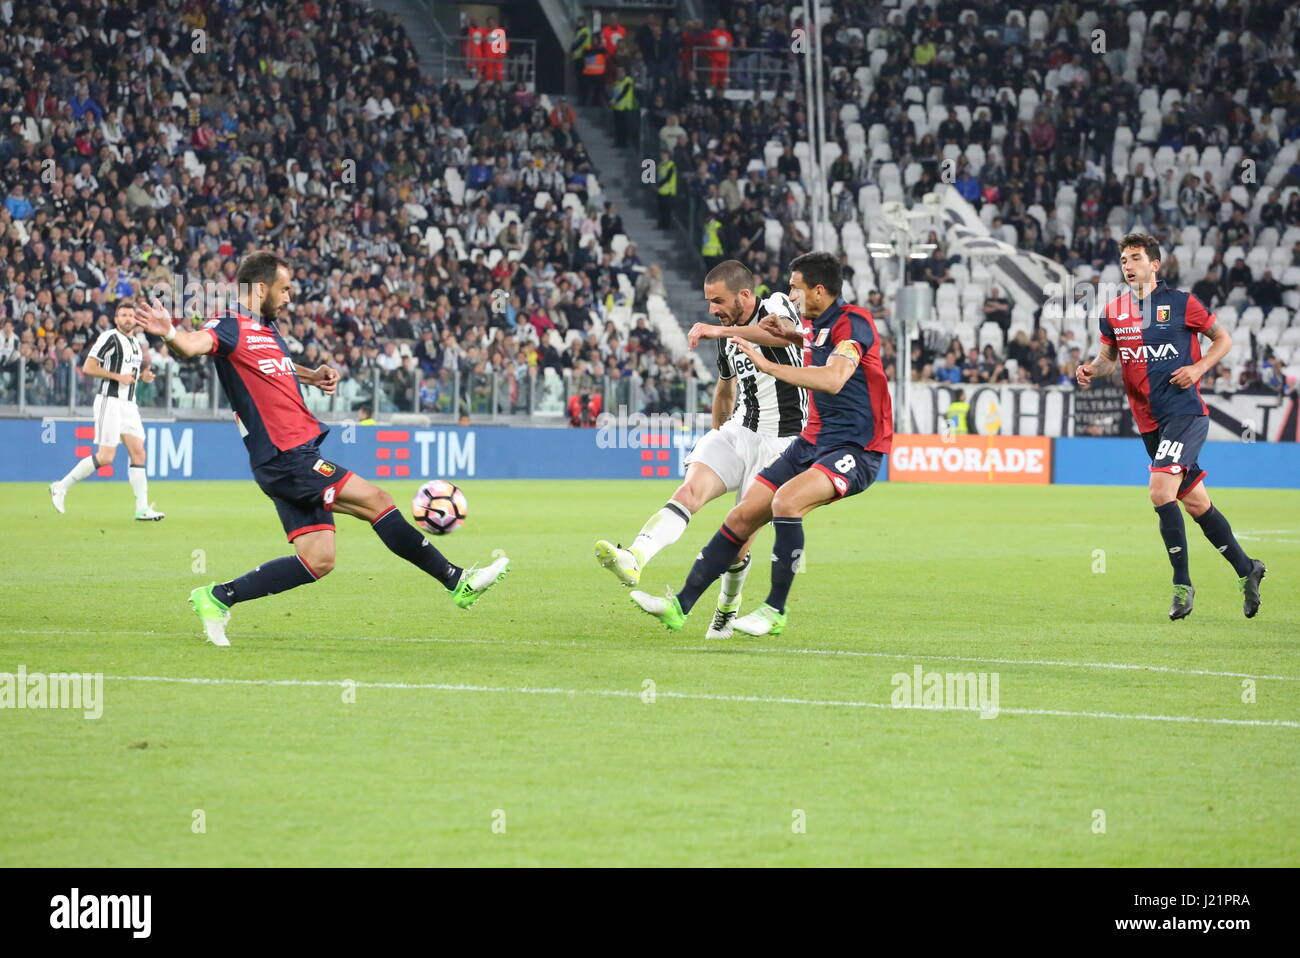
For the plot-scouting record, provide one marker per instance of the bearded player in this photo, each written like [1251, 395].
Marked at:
[283, 439]
[1151, 332]
[755, 416]
[837, 454]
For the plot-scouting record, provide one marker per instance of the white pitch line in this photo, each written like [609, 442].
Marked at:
[694, 696]
[851, 653]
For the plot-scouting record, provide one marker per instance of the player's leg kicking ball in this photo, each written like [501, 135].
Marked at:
[306, 490]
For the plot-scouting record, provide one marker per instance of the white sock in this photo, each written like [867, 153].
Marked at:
[139, 485]
[81, 470]
[660, 531]
[733, 580]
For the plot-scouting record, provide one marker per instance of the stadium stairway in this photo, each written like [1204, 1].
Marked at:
[619, 174]
[417, 17]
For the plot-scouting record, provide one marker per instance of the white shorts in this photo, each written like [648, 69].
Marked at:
[737, 454]
[115, 418]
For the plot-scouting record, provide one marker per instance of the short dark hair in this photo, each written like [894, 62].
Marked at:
[259, 267]
[819, 268]
[125, 302]
[1145, 240]
[732, 273]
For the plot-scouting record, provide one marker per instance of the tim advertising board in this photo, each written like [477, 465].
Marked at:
[1003, 460]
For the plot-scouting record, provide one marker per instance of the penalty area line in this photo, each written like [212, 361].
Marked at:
[698, 697]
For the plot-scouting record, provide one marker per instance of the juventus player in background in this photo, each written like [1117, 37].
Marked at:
[118, 359]
[1152, 332]
[755, 416]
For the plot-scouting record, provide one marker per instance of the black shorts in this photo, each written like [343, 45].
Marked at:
[303, 486]
[1175, 446]
[850, 468]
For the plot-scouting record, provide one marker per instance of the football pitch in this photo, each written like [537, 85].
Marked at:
[364, 720]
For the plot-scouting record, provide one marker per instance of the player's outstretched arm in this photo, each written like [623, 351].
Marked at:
[759, 334]
[182, 342]
[1220, 344]
[824, 379]
[1101, 367]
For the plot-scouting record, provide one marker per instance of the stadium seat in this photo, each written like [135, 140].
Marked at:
[1038, 25]
[1276, 318]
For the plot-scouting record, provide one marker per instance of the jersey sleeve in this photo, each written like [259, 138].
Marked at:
[1104, 329]
[224, 330]
[852, 336]
[1196, 316]
[103, 346]
[780, 306]
[724, 364]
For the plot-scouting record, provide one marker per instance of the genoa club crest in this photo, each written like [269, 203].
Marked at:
[324, 468]
[1162, 314]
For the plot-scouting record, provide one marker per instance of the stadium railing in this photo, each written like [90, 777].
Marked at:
[747, 68]
[191, 391]
[518, 65]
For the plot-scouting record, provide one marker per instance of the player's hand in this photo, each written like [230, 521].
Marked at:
[325, 379]
[760, 363]
[1083, 375]
[770, 324]
[153, 318]
[1186, 376]
[146, 376]
[702, 331]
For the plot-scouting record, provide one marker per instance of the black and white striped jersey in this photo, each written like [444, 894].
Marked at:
[118, 354]
[765, 404]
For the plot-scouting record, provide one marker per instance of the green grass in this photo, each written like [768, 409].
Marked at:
[911, 575]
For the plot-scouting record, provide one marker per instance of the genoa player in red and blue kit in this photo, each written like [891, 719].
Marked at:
[1152, 332]
[283, 439]
[848, 433]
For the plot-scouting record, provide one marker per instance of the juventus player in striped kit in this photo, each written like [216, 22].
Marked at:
[755, 416]
[118, 360]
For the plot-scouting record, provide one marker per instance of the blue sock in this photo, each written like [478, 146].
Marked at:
[714, 559]
[405, 540]
[786, 552]
[1174, 532]
[1216, 528]
[278, 575]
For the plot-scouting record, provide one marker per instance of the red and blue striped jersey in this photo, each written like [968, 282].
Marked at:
[861, 413]
[259, 380]
[1154, 337]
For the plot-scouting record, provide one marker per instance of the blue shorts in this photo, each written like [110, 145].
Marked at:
[303, 486]
[850, 468]
[1175, 446]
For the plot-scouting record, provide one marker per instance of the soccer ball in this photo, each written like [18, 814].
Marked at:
[439, 507]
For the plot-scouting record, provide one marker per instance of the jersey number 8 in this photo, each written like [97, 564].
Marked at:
[845, 463]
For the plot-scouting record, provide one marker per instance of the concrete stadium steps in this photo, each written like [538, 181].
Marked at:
[417, 20]
[619, 174]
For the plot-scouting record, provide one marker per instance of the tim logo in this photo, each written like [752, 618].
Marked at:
[1147, 352]
[275, 367]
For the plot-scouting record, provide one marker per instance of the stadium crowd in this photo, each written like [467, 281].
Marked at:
[149, 144]
[1044, 178]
